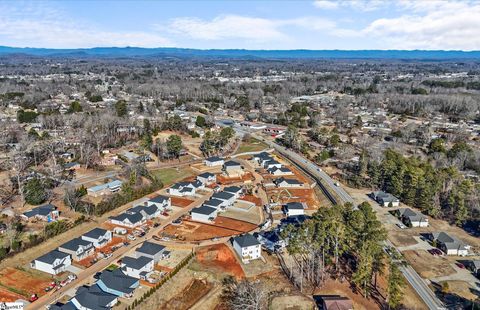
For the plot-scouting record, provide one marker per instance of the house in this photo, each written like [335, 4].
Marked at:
[47, 213]
[449, 244]
[162, 202]
[272, 164]
[117, 283]
[214, 161]
[93, 298]
[271, 240]
[280, 171]
[284, 182]
[262, 158]
[109, 160]
[215, 203]
[182, 189]
[71, 166]
[233, 169]
[54, 262]
[236, 190]
[78, 248]
[130, 220]
[474, 267]
[207, 178]
[147, 212]
[333, 302]
[227, 198]
[137, 267]
[105, 189]
[294, 208]
[151, 250]
[247, 247]
[98, 237]
[60, 306]
[204, 214]
[412, 218]
[385, 199]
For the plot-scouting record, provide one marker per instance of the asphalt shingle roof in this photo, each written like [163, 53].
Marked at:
[150, 248]
[246, 240]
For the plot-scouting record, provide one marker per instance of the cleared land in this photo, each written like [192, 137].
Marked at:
[252, 145]
[194, 291]
[427, 265]
[295, 302]
[169, 176]
[8, 296]
[219, 258]
[181, 202]
[22, 282]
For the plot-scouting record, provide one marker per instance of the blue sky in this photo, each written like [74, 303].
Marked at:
[248, 24]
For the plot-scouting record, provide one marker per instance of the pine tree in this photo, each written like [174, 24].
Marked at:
[396, 284]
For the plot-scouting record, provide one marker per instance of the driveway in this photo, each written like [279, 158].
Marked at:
[421, 245]
[74, 269]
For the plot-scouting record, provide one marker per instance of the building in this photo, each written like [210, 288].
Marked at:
[236, 190]
[117, 283]
[247, 247]
[333, 302]
[215, 203]
[204, 214]
[385, 199]
[271, 164]
[412, 218]
[105, 189]
[284, 182]
[78, 248]
[151, 250]
[449, 244]
[294, 208]
[130, 220]
[98, 237]
[214, 161]
[147, 212]
[207, 178]
[283, 171]
[54, 262]
[233, 169]
[162, 202]
[139, 268]
[474, 267]
[227, 198]
[71, 166]
[47, 213]
[108, 160]
[262, 158]
[182, 189]
[93, 298]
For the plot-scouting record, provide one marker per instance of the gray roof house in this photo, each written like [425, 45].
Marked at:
[151, 250]
[137, 267]
[236, 190]
[412, 218]
[386, 199]
[117, 283]
[78, 248]
[128, 219]
[449, 244]
[98, 236]
[214, 203]
[284, 182]
[47, 212]
[54, 262]
[92, 297]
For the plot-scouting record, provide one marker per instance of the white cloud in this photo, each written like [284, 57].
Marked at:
[243, 27]
[439, 25]
[326, 4]
[37, 25]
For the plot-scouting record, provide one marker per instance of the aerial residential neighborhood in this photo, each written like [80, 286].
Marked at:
[237, 155]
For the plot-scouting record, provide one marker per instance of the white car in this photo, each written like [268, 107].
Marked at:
[131, 237]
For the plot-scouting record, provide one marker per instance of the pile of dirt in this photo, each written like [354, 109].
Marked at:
[220, 258]
[190, 296]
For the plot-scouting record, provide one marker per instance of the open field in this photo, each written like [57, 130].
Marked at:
[221, 259]
[196, 231]
[252, 145]
[247, 177]
[22, 282]
[427, 265]
[181, 202]
[194, 291]
[8, 296]
[191, 145]
[292, 302]
[171, 175]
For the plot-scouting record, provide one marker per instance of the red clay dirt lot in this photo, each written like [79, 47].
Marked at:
[220, 258]
[181, 202]
[306, 195]
[23, 282]
[194, 291]
[257, 201]
[222, 227]
[224, 180]
[7, 296]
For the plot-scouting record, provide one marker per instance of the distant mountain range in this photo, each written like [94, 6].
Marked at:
[240, 53]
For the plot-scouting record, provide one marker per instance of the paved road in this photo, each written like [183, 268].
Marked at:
[417, 282]
[86, 274]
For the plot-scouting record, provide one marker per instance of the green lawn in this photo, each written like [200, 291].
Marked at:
[112, 267]
[172, 175]
[252, 145]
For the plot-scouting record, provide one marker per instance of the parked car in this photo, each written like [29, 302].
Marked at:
[460, 265]
[108, 256]
[156, 238]
[401, 225]
[131, 237]
[33, 297]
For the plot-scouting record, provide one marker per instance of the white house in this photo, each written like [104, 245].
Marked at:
[128, 220]
[262, 158]
[204, 214]
[214, 161]
[98, 237]
[247, 247]
[162, 202]
[92, 298]
[236, 190]
[233, 169]
[182, 189]
[137, 267]
[47, 213]
[412, 218]
[283, 171]
[151, 250]
[105, 189]
[283, 182]
[272, 164]
[226, 197]
[385, 199]
[53, 262]
[215, 203]
[207, 178]
[294, 208]
[450, 244]
[78, 248]
[148, 212]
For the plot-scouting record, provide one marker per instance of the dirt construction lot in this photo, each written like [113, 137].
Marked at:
[181, 202]
[222, 227]
[221, 259]
[23, 282]
[427, 265]
[194, 291]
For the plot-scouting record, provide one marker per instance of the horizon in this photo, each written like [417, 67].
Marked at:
[222, 25]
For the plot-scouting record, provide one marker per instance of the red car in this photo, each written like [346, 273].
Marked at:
[460, 265]
[33, 297]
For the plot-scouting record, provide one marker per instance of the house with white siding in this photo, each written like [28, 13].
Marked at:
[54, 262]
[204, 214]
[214, 161]
[137, 267]
[98, 237]
[247, 247]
